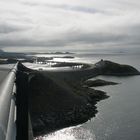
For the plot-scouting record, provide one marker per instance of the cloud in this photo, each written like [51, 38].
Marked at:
[64, 7]
[9, 28]
[69, 23]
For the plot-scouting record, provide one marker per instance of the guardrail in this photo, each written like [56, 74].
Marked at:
[8, 107]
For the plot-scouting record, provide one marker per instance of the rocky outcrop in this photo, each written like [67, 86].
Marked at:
[98, 82]
[110, 68]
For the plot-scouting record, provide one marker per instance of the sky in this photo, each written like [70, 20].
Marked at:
[75, 24]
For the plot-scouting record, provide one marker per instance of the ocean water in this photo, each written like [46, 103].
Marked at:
[118, 117]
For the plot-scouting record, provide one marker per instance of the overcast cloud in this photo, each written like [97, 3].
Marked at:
[70, 23]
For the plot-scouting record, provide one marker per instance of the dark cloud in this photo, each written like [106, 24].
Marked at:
[9, 28]
[76, 39]
[29, 42]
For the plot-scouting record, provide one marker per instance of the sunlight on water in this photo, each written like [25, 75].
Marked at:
[72, 133]
[48, 67]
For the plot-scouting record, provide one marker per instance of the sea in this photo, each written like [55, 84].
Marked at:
[118, 117]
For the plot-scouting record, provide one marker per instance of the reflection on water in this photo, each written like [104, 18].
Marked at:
[49, 67]
[85, 131]
[72, 133]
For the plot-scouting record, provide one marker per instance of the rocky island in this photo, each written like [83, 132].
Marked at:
[59, 99]
[98, 82]
[111, 68]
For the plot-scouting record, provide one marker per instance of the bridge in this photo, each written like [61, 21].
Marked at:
[15, 121]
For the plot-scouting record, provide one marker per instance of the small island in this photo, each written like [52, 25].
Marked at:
[98, 82]
[111, 68]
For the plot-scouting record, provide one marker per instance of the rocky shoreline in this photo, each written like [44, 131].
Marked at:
[48, 122]
[60, 99]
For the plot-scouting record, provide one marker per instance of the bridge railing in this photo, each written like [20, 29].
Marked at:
[8, 107]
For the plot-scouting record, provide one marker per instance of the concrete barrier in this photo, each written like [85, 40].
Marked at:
[8, 107]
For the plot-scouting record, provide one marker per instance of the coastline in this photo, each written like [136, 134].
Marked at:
[59, 99]
[75, 106]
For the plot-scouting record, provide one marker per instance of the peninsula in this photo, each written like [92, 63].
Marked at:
[59, 99]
